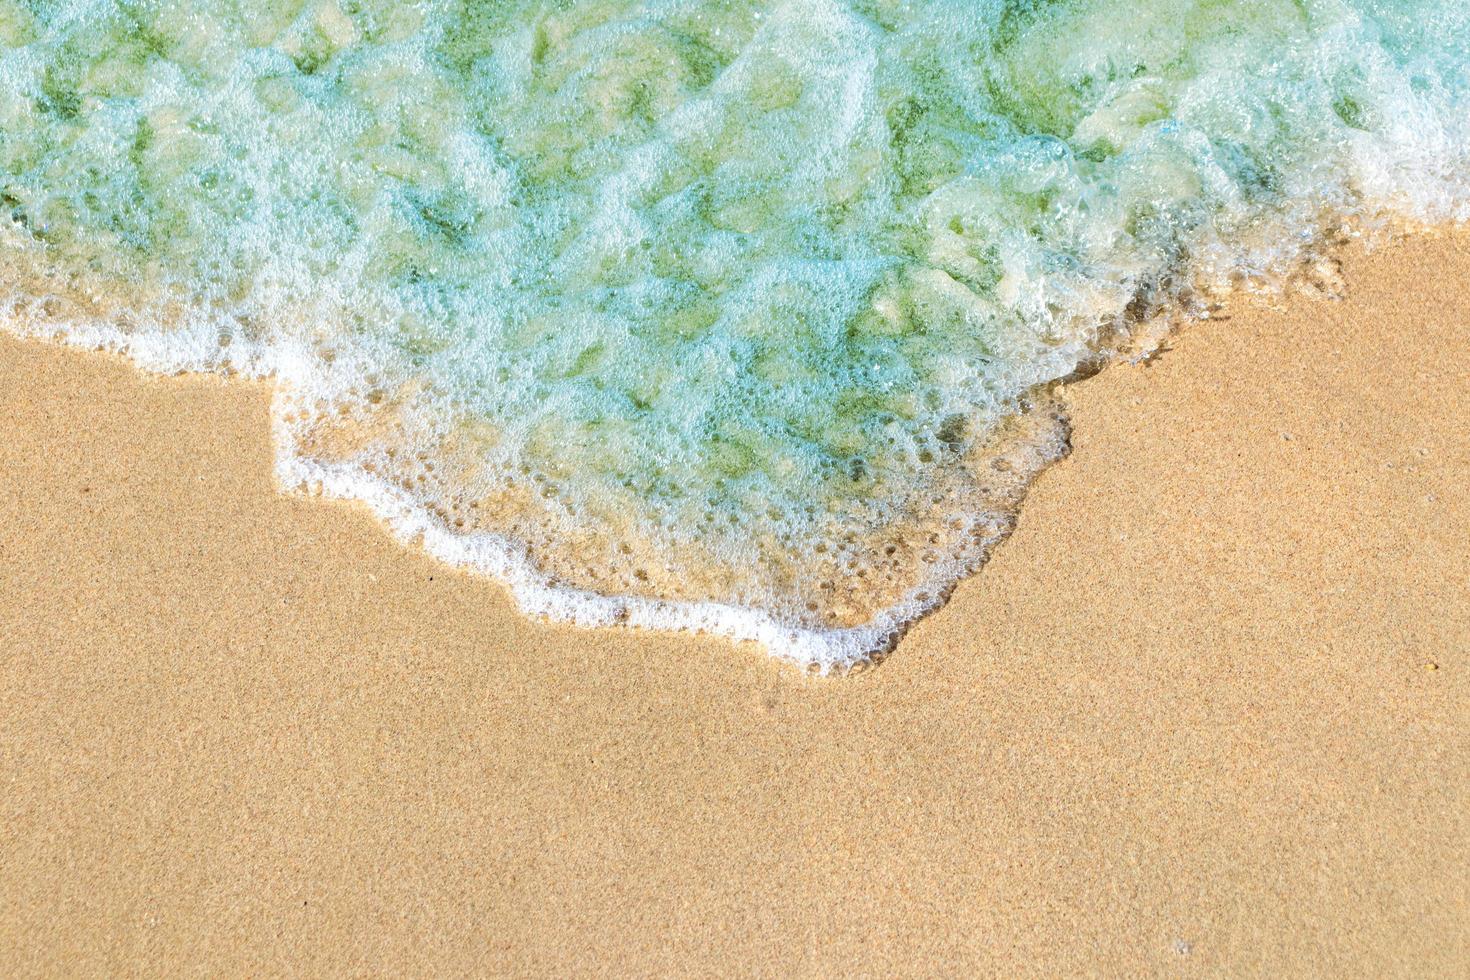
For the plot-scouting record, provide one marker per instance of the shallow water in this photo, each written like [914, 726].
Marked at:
[734, 316]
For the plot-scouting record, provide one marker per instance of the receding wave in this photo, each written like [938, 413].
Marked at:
[739, 317]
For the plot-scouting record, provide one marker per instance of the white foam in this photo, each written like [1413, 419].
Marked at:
[723, 312]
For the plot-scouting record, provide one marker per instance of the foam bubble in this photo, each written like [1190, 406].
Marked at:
[731, 317]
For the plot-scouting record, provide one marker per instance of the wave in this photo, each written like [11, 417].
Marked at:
[740, 318]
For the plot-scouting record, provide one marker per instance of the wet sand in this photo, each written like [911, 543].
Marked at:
[1206, 712]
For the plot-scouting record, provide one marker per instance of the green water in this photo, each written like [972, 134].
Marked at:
[735, 316]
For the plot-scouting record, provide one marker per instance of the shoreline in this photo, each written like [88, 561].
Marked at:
[1203, 709]
[541, 599]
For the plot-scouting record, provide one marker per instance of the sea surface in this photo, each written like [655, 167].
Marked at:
[733, 316]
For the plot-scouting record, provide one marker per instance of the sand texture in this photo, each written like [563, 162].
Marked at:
[1207, 712]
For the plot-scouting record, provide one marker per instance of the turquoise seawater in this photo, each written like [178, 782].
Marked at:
[738, 316]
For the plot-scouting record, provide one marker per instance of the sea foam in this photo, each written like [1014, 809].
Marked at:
[740, 318]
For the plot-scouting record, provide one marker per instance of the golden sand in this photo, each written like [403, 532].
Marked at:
[1207, 711]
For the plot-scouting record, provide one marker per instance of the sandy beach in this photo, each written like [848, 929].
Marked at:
[1207, 712]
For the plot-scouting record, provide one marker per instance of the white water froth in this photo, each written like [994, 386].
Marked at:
[1096, 182]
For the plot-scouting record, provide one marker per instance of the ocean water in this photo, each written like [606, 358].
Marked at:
[734, 316]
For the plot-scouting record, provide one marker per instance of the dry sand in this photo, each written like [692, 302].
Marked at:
[1205, 713]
